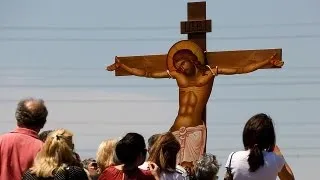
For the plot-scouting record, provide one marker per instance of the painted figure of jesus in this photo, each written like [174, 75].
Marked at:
[186, 64]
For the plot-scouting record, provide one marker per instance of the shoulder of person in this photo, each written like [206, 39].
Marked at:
[173, 175]
[144, 166]
[278, 159]
[235, 156]
[76, 171]
[111, 170]
[28, 176]
[76, 168]
[273, 155]
[180, 169]
[7, 135]
[38, 143]
[146, 172]
[181, 172]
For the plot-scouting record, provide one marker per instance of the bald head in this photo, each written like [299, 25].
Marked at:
[31, 113]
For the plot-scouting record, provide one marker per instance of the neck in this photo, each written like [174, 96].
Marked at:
[191, 75]
[31, 128]
[129, 167]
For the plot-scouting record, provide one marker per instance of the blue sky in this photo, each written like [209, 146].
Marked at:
[57, 50]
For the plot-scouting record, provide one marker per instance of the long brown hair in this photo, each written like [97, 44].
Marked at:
[164, 152]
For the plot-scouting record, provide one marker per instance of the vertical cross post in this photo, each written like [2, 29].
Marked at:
[196, 27]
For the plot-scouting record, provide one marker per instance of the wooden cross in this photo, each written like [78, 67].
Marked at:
[196, 27]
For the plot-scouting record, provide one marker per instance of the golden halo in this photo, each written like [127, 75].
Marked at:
[184, 44]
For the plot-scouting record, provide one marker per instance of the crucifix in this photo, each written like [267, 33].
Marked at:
[194, 70]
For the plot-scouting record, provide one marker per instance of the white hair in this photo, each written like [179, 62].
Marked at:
[207, 167]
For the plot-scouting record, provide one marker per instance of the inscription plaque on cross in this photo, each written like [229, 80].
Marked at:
[194, 70]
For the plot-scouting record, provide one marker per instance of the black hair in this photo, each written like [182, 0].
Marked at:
[130, 147]
[258, 135]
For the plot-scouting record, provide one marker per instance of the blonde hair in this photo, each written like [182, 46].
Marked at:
[106, 153]
[55, 155]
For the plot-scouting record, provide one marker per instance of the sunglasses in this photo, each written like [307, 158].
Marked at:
[94, 164]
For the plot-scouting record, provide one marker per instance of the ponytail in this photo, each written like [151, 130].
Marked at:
[255, 158]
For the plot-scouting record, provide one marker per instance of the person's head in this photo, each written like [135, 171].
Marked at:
[106, 154]
[258, 136]
[56, 154]
[152, 139]
[206, 168]
[91, 166]
[164, 152]
[31, 113]
[89, 162]
[131, 150]
[44, 134]
[185, 61]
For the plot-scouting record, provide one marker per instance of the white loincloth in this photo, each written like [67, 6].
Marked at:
[192, 141]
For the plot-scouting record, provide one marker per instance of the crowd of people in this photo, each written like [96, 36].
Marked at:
[28, 153]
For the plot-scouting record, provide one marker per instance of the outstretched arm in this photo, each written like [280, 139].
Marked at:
[138, 72]
[251, 67]
[286, 172]
[208, 75]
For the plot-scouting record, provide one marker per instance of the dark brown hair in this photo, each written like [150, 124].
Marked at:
[164, 152]
[258, 135]
[31, 113]
[44, 134]
[187, 54]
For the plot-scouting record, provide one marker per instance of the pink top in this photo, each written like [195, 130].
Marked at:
[17, 152]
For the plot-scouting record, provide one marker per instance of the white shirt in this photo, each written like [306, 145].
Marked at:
[144, 166]
[240, 168]
[180, 173]
[171, 176]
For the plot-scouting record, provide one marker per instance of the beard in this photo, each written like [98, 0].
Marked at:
[190, 71]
